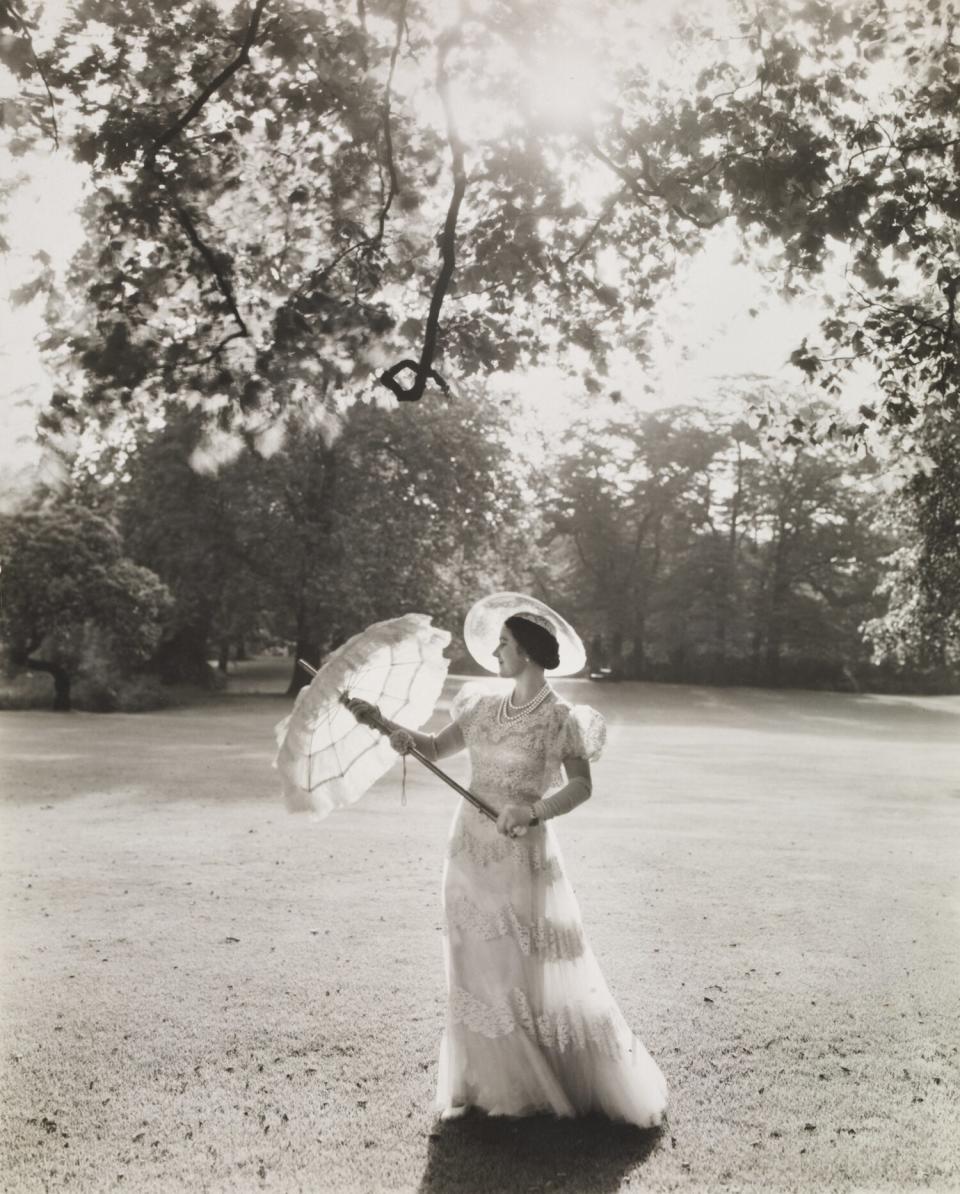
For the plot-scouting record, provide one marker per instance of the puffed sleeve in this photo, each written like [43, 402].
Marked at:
[583, 735]
[464, 705]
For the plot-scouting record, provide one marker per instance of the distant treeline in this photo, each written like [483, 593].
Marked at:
[686, 545]
[693, 548]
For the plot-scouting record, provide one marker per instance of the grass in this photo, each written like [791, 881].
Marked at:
[200, 992]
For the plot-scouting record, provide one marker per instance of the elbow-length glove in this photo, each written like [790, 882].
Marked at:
[574, 792]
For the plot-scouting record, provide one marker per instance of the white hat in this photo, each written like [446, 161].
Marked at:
[482, 626]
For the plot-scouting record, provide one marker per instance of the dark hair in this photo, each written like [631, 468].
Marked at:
[536, 641]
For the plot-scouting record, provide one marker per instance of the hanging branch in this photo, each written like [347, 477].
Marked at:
[242, 59]
[12, 19]
[385, 115]
[604, 215]
[647, 187]
[423, 369]
[217, 263]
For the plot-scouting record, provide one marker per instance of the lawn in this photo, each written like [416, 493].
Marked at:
[201, 992]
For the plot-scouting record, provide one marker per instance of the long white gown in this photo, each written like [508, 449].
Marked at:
[531, 1024]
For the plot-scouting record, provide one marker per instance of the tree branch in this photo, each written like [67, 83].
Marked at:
[605, 214]
[213, 260]
[394, 183]
[423, 369]
[10, 17]
[242, 59]
[653, 188]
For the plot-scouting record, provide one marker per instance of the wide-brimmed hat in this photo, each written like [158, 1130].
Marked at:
[482, 625]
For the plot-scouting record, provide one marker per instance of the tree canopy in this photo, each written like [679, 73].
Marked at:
[696, 550]
[287, 202]
[69, 592]
[295, 212]
[317, 539]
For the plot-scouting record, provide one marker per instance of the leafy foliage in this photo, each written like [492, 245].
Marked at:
[322, 536]
[921, 626]
[695, 549]
[70, 594]
[284, 206]
[269, 187]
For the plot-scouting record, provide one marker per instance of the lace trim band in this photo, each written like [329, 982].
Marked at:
[553, 942]
[566, 1029]
[528, 857]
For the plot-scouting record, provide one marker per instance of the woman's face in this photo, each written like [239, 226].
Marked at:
[509, 655]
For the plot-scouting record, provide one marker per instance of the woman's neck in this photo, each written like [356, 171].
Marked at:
[527, 685]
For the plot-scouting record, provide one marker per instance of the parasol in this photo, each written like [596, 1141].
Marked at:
[327, 757]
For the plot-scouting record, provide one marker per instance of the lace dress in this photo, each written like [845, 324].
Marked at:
[531, 1024]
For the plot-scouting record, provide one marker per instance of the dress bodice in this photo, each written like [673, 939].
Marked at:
[517, 760]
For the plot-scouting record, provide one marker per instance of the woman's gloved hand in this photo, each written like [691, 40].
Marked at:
[363, 710]
[402, 742]
[514, 820]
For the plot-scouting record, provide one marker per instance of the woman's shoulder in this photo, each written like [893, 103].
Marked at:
[469, 698]
[563, 710]
[581, 729]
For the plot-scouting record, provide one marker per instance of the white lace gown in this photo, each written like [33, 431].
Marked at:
[531, 1024]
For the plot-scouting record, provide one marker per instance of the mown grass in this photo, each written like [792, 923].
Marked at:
[200, 992]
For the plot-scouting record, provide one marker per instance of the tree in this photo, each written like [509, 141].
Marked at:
[266, 203]
[421, 504]
[921, 626]
[186, 525]
[396, 513]
[628, 501]
[310, 541]
[66, 587]
[316, 130]
[810, 549]
[271, 187]
[697, 549]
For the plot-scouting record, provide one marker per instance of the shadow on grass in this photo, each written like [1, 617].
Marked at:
[493, 1153]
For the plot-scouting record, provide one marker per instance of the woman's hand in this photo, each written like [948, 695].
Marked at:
[402, 741]
[514, 820]
[363, 711]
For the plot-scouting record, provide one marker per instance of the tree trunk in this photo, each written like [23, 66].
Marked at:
[615, 659]
[183, 657]
[223, 657]
[779, 588]
[61, 681]
[728, 603]
[638, 656]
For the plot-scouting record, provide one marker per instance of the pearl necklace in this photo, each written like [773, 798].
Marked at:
[509, 712]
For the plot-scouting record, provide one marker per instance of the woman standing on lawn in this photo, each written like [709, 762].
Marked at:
[531, 1024]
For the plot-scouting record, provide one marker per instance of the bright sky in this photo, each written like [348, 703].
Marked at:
[718, 321]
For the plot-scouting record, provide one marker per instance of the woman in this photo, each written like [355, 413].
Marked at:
[531, 1025]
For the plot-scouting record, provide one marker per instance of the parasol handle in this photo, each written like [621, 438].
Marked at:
[477, 803]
